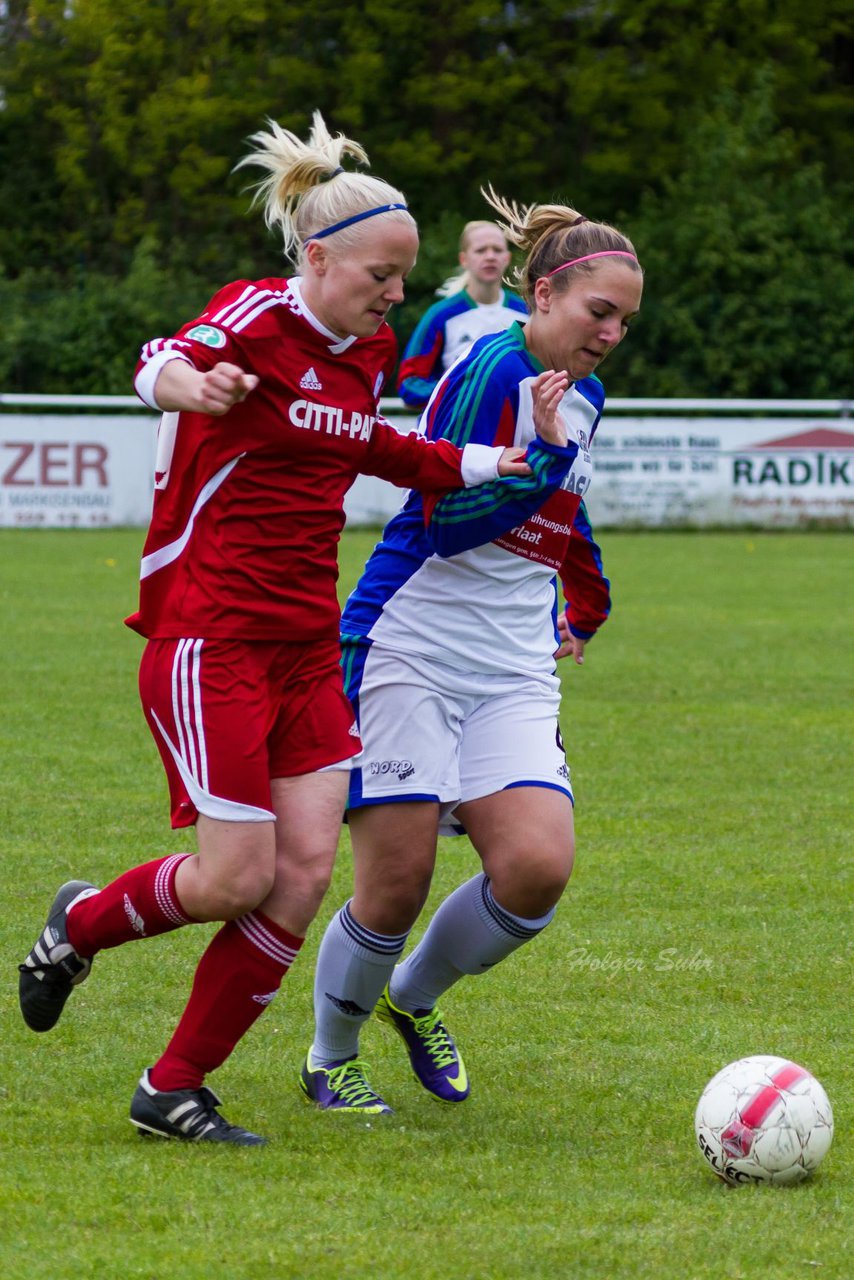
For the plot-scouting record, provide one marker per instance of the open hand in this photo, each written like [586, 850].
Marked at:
[547, 391]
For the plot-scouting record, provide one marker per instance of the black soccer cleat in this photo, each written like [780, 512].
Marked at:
[188, 1114]
[53, 967]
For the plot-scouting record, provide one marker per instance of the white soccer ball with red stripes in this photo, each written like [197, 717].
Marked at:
[763, 1119]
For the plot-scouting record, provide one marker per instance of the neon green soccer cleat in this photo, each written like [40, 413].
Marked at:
[434, 1056]
[341, 1086]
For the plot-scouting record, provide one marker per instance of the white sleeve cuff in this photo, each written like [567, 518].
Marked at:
[149, 373]
[480, 463]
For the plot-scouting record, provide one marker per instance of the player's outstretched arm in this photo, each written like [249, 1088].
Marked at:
[180, 387]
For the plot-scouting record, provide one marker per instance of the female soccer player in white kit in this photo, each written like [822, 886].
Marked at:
[473, 303]
[270, 402]
[449, 643]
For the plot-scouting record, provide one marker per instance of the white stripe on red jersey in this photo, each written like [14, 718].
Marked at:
[248, 507]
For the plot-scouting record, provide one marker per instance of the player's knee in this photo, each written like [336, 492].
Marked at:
[409, 892]
[244, 890]
[316, 880]
[529, 886]
[391, 905]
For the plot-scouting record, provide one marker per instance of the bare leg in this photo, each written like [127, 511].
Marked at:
[525, 840]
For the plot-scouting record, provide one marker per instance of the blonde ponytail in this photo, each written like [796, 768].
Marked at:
[307, 190]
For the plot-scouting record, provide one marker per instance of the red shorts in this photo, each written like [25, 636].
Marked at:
[229, 715]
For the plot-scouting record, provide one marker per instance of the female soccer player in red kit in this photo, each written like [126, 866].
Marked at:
[270, 402]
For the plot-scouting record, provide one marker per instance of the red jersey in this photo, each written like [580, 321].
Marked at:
[248, 507]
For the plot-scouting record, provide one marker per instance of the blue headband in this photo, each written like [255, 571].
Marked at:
[357, 217]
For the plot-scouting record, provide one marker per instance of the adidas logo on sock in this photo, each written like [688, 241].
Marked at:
[310, 381]
[136, 921]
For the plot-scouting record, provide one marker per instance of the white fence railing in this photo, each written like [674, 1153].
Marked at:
[838, 408]
[88, 460]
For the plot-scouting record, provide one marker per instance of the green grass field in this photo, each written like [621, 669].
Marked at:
[709, 916]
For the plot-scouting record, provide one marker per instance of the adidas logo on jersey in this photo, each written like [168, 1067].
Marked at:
[310, 381]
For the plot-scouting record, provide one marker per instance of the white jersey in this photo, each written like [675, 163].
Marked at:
[445, 332]
[466, 327]
[476, 589]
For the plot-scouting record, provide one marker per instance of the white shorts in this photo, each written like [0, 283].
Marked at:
[431, 732]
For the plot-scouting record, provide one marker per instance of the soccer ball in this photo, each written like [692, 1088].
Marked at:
[763, 1119]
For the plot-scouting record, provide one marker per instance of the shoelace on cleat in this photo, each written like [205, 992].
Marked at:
[197, 1122]
[68, 965]
[54, 975]
[348, 1081]
[436, 1039]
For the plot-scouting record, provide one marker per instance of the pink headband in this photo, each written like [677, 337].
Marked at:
[588, 257]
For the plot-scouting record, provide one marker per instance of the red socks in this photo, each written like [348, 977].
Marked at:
[237, 977]
[139, 904]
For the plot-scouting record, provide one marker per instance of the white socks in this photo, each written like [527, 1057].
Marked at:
[353, 966]
[469, 933]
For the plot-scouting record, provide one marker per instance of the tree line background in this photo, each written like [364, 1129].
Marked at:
[716, 133]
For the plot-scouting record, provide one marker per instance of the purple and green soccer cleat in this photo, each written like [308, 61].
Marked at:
[434, 1056]
[341, 1086]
